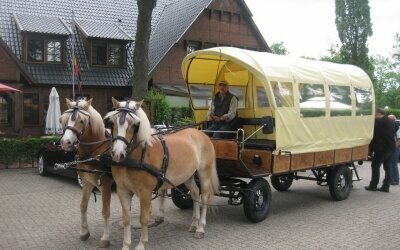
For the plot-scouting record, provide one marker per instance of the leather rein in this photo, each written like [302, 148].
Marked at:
[131, 145]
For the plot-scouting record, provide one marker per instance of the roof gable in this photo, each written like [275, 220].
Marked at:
[102, 19]
[172, 24]
[41, 24]
[102, 30]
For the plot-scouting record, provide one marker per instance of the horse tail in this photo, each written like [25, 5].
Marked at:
[215, 186]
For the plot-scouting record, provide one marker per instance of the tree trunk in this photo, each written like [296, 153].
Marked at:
[139, 81]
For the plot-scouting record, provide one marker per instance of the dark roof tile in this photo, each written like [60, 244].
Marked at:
[170, 20]
[41, 24]
[103, 30]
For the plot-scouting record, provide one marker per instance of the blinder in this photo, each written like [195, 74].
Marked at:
[74, 110]
[124, 111]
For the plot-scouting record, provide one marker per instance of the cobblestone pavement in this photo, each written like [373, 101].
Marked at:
[43, 213]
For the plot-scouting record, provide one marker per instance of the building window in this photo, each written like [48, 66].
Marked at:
[107, 54]
[54, 51]
[31, 109]
[5, 110]
[209, 45]
[79, 97]
[44, 50]
[192, 46]
[110, 104]
[115, 55]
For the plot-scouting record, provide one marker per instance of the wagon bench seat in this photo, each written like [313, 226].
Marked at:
[260, 144]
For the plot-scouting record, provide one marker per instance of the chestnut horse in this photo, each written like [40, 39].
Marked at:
[84, 129]
[187, 151]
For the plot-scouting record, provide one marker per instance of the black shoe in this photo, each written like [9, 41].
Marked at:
[394, 183]
[384, 189]
[370, 188]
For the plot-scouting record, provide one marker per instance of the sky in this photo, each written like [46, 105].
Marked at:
[307, 27]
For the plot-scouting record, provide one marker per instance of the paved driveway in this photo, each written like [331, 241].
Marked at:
[43, 213]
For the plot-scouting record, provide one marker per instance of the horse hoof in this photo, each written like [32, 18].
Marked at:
[192, 229]
[140, 247]
[199, 235]
[159, 220]
[85, 236]
[104, 244]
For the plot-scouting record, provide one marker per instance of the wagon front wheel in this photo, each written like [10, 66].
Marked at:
[257, 200]
[181, 198]
[340, 182]
[282, 182]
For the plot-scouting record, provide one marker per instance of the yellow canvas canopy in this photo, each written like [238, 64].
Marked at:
[317, 106]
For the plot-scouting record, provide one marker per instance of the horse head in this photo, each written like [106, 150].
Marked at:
[75, 122]
[129, 124]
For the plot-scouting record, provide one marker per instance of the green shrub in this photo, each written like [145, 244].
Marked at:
[184, 121]
[160, 112]
[159, 107]
[22, 149]
[182, 116]
[395, 112]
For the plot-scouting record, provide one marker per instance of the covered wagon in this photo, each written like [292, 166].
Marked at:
[295, 114]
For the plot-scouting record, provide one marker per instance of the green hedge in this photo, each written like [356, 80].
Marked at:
[163, 113]
[23, 149]
[395, 112]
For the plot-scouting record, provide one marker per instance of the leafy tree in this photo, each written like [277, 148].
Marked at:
[396, 53]
[279, 49]
[139, 81]
[382, 66]
[387, 75]
[334, 55]
[353, 23]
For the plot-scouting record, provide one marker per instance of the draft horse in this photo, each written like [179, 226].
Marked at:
[84, 129]
[177, 156]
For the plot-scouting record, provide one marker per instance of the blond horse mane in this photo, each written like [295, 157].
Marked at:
[145, 130]
[96, 120]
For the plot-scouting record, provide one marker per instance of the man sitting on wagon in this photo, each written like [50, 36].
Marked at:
[222, 114]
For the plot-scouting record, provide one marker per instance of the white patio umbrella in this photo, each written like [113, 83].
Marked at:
[53, 125]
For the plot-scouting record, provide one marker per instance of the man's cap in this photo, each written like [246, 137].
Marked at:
[223, 83]
[380, 111]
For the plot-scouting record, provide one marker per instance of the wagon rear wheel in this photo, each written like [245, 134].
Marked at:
[181, 198]
[282, 182]
[257, 200]
[340, 182]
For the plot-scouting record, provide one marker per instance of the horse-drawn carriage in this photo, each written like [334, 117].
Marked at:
[295, 114]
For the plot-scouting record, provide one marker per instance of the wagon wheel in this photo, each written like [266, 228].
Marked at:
[282, 182]
[340, 182]
[181, 198]
[257, 200]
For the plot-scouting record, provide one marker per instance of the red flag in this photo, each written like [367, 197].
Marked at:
[76, 68]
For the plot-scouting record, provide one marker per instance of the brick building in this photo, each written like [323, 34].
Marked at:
[38, 40]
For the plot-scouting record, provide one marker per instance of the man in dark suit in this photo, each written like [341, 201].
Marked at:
[222, 114]
[382, 146]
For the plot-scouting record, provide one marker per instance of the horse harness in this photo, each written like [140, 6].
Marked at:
[74, 110]
[140, 164]
[103, 162]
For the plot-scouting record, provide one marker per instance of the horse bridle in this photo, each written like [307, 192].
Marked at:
[74, 110]
[126, 111]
